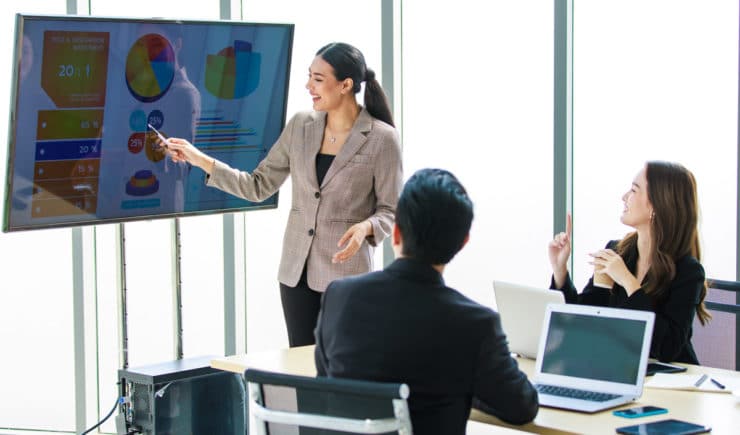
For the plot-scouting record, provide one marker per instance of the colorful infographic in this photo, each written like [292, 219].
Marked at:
[95, 99]
[75, 68]
[68, 142]
[150, 67]
[234, 72]
[67, 162]
[218, 133]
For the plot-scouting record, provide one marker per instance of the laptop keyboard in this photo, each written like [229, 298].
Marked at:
[575, 393]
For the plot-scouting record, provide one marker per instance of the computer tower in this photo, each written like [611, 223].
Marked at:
[180, 398]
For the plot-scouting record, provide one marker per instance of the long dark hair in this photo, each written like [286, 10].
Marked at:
[348, 62]
[674, 229]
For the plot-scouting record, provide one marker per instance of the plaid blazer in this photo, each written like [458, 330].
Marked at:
[363, 183]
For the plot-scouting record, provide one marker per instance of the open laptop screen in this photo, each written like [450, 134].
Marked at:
[593, 347]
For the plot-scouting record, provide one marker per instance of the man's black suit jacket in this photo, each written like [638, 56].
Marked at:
[404, 325]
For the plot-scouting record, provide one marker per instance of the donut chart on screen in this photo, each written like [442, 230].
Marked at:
[150, 67]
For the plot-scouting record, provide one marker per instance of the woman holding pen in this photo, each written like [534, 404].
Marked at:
[344, 160]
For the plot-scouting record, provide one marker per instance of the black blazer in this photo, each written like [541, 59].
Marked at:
[403, 324]
[674, 310]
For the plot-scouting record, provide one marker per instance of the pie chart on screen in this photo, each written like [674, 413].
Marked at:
[233, 72]
[150, 67]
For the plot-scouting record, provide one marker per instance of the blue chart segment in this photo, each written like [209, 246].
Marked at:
[68, 150]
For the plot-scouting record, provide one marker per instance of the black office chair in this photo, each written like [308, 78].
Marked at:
[287, 404]
[717, 344]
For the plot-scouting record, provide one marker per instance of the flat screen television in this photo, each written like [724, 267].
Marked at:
[88, 94]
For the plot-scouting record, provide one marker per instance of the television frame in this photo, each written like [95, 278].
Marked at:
[15, 93]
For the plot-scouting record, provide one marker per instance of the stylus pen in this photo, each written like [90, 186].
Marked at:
[715, 382]
[159, 135]
[701, 380]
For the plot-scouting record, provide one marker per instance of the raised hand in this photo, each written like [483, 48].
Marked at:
[559, 252]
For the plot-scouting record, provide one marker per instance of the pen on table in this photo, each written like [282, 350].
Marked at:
[715, 382]
[701, 380]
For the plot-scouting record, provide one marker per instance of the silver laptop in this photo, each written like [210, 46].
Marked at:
[522, 309]
[592, 358]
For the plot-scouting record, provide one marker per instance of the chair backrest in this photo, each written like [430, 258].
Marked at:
[288, 404]
[716, 344]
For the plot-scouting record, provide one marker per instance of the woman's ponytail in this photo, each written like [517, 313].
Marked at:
[376, 102]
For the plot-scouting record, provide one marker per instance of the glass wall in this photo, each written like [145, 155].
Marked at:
[658, 84]
[478, 101]
[36, 316]
[359, 25]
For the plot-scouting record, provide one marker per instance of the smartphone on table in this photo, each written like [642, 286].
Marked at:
[640, 411]
[659, 367]
[664, 427]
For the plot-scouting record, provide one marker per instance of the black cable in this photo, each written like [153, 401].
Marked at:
[118, 400]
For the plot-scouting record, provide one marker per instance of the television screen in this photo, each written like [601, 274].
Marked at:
[90, 96]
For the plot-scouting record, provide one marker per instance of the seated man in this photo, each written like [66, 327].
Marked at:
[404, 325]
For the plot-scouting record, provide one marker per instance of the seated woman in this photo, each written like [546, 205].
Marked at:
[654, 268]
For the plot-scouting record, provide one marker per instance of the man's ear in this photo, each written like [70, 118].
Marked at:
[465, 242]
[396, 235]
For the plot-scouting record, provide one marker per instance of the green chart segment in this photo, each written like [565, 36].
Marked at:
[150, 67]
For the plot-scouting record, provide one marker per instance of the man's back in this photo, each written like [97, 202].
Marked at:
[404, 325]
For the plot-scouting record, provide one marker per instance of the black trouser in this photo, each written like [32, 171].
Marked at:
[301, 310]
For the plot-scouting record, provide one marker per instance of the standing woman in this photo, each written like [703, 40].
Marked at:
[655, 268]
[345, 165]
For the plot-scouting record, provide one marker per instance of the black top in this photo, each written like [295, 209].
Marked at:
[674, 309]
[402, 324]
[323, 161]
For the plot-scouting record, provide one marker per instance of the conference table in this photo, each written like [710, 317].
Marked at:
[720, 411]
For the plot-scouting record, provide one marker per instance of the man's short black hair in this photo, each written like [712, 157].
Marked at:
[434, 215]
